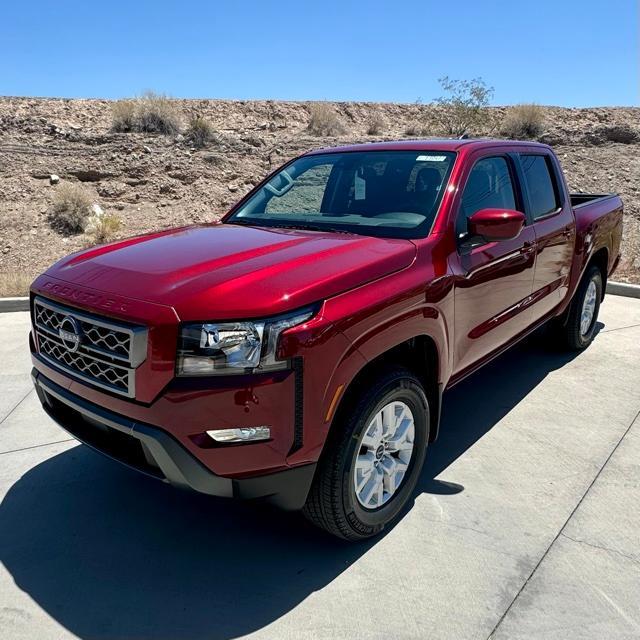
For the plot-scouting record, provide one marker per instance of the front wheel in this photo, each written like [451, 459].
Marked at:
[372, 459]
[580, 328]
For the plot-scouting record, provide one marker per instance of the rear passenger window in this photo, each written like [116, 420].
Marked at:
[489, 186]
[543, 194]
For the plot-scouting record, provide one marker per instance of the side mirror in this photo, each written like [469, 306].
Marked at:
[496, 224]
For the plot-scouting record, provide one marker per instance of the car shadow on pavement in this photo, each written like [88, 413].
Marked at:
[475, 405]
[110, 554]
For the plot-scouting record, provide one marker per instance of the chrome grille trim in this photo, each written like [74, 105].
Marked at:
[107, 355]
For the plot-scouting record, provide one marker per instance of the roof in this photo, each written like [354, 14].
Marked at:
[446, 144]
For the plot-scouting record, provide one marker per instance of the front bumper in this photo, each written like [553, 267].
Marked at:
[157, 453]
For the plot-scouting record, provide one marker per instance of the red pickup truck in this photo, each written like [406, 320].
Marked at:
[298, 350]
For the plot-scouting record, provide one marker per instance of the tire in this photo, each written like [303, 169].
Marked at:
[575, 336]
[333, 502]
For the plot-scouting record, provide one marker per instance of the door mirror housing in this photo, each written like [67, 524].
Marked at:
[494, 225]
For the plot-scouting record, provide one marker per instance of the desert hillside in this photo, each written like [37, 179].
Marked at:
[150, 181]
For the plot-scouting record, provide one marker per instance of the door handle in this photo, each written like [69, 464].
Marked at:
[527, 248]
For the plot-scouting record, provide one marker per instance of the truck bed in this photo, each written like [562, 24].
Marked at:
[581, 199]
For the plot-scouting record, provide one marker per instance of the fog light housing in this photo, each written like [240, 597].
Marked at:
[240, 434]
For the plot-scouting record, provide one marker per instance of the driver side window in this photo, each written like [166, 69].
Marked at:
[489, 185]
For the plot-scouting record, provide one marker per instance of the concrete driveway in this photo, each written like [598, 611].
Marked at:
[526, 523]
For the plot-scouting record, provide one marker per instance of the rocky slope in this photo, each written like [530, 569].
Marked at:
[153, 181]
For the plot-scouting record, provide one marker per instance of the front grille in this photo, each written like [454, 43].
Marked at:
[109, 340]
[104, 372]
[97, 350]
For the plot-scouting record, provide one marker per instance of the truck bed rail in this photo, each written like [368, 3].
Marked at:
[580, 199]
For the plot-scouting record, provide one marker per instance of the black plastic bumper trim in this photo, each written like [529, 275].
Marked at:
[287, 489]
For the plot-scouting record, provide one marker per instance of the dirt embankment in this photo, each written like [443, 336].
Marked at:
[153, 181]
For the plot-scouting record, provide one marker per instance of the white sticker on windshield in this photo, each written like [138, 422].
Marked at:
[360, 185]
[431, 158]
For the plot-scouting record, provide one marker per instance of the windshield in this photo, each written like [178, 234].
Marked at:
[389, 194]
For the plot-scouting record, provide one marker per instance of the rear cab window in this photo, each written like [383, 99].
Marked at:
[541, 185]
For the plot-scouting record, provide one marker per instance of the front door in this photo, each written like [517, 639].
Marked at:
[493, 280]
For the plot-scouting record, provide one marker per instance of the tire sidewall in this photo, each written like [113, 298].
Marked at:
[403, 390]
[593, 276]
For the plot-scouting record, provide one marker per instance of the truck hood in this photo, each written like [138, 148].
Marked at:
[223, 271]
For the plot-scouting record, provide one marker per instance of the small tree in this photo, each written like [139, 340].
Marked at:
[463, 107]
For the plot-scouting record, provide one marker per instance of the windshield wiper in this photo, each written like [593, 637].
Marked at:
[315, 227]
[302, 226]
[278, 225]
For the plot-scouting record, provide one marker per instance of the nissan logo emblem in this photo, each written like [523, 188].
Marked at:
[70, 333]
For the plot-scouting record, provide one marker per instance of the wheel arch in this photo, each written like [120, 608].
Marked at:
[419, 355]
[600, 258]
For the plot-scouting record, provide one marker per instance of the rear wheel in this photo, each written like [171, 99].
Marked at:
[372, 459]
[580, 327]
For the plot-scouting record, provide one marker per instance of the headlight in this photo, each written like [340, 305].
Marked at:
[223, 348]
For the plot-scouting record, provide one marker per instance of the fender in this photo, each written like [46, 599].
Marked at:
[382, 315]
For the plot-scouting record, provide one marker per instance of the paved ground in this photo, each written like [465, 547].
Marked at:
[526, 524]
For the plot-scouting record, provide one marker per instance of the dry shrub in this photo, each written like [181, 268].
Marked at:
[14, 284]
[214, 159]
[157, 113]
[523, 121]
[102, 227]
[621, 133]
[376, 125]
[200, 132]
[71, 208]
[123, 115]
[150, 113]
[416, 130]
[324, 120]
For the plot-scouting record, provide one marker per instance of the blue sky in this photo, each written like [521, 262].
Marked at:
[564, 52]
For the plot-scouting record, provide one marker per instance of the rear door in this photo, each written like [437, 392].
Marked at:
[493, 280]
[549, 208]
